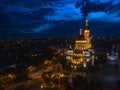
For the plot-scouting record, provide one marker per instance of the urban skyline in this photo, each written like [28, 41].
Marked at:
[60, 45]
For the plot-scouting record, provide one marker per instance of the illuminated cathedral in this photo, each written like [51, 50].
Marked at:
[83, 41]
[82, 53]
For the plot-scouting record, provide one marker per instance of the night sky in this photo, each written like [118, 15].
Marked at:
[58, 18]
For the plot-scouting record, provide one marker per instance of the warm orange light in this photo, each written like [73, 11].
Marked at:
[81, 41]
[86, 31]
[93, 57]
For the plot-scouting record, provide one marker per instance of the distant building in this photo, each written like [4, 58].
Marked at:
[112, 58]
[82, 53]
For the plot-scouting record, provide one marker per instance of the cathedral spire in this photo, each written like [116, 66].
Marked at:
[86, 22]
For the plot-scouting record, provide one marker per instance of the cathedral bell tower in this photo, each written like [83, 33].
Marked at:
[87, 34]
[86, 30]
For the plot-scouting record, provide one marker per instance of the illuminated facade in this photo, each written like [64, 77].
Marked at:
[82, 53]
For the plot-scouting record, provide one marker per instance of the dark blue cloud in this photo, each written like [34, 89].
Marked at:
[87, 6]
[23, 18]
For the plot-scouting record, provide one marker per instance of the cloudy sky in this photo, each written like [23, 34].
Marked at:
[58, 18]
